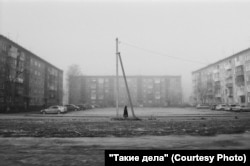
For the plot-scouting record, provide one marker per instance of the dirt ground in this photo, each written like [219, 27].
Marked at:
[80, 138]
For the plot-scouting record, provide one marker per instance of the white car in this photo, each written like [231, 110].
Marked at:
[230, 107]
[202, 106]
[221, 107]
[56, 109]
[240, 108]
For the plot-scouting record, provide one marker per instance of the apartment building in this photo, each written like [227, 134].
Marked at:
[145, 90]
[26, 80]
[226, 81]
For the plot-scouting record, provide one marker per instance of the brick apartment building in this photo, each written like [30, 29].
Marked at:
[148, 91]
[226, 81]
[27, 81]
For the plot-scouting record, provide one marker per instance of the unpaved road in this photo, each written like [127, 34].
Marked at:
[90, 151]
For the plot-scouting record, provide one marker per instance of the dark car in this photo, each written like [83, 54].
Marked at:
[81, 107]
[213, 106]
[72, 107]
[87, 106]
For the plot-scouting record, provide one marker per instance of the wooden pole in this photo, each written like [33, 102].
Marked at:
[117, 80]
[124, 76]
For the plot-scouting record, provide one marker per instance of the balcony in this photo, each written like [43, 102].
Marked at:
[240, 80]
[209, 85]
[229, 92]
[240, 91]
[239, 70]
[216, 71]
[217, 85]
[210, 92]
[216, 79]
[229, 82]
[217, 95]
[228, 66]
[248, 78]
[229, 74]
[239, 73]
[248, 88]
[238, 63]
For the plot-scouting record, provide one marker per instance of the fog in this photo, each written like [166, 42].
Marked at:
[156, 37]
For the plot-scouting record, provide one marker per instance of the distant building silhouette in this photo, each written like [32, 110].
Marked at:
[148, 91]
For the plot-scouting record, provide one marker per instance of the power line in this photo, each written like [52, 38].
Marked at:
[161, 54]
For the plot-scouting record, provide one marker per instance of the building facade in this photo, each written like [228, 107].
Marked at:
[226, 81]
[148, 91]
[26, 80]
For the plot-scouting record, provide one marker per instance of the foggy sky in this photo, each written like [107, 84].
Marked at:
[84, 33]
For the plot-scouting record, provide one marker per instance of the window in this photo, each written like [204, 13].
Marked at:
[3, 46]
[1, 85]
[93, 95]
[101, 80]
[248, 57]
[101, 96]
[248, 77]
[237, 58]
[248, 67]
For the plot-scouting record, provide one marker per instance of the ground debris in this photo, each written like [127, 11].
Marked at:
[80, 128]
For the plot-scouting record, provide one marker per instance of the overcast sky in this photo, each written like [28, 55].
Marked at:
[157, 37]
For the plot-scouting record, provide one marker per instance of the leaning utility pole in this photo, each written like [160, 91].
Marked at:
[126, 83]
[117, 80]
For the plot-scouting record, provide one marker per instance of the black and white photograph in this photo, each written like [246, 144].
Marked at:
[81, 77]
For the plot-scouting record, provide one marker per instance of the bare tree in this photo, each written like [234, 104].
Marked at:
[204, 91]
[73, 71]
[14, 76]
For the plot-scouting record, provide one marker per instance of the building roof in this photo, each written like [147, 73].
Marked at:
[17, 45]
[133, 76]
[224, 59]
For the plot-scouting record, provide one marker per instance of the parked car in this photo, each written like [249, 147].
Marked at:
[87, 106]
[95, 106]
[230, 107]
[72, 107]
[202, 106]
[213, 106]
[81, 107]
[56, 109]
[245, 108]
[221, 107]
[241, 108]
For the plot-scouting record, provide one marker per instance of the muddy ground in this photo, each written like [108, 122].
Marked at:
[76, 139]
[126, 128]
